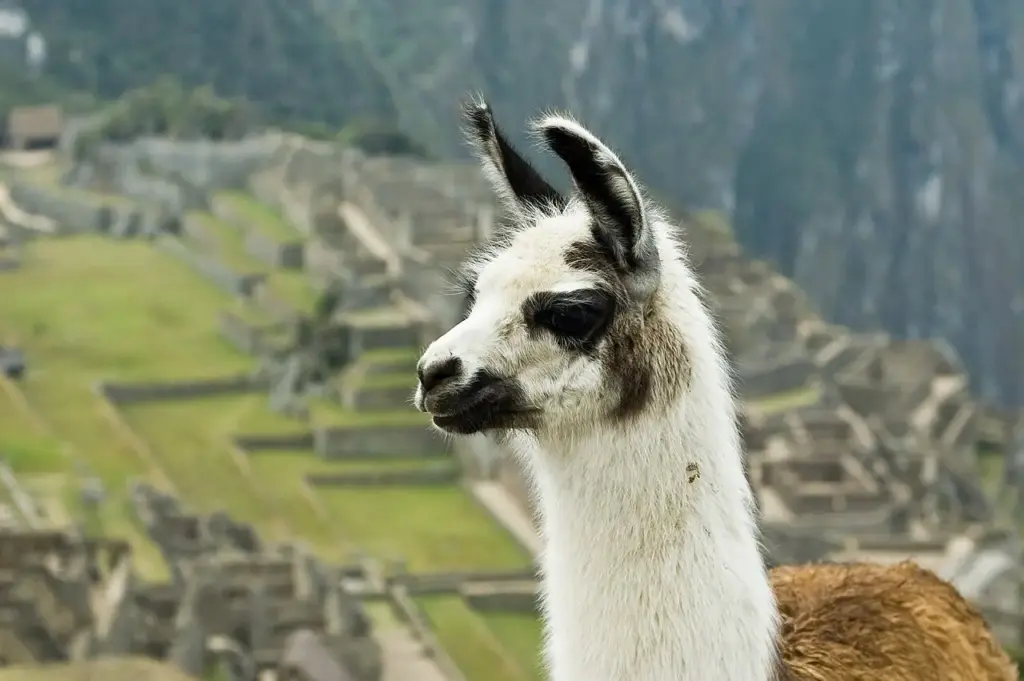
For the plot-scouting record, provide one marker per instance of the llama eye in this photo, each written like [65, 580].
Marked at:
[574, 321]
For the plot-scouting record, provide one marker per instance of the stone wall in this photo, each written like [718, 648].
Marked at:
[362, 339]
[342, 443]
[72, 213]
[254, 444]
[370, 397]
[235, 283]
[212, 165]
[114, 168]
[10, 253]
[245, 337]
[419, 624]
[782, 375]
[451, 582]
[289, 255]
[138, 392]
[517, 597]
[439, 474]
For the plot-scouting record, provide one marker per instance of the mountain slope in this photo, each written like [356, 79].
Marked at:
[874, 149]
[279, 54]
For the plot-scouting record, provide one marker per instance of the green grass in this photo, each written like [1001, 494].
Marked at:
[192, 442]
[228, 242]
[250, 313]
[295, 288]
[85, 308]
[23, 446]
[292, 287]
[430, 527]
[471, 643]
[260, 217]
[990, 468]
[381, 615]
[34, 454]
[272, 463]
[48, 176]
[785, 401]
[522, 636]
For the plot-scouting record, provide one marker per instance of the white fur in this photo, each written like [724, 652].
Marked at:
[652, 569]
[648, 576]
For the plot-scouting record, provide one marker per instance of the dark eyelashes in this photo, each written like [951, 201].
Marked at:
[577, 319]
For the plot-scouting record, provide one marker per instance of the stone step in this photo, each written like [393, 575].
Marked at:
[366, 265]
[383, 392]
[393, 361]
[368, 292]
[445, 472]
[409, 436]
[381, 328]
[449, 252]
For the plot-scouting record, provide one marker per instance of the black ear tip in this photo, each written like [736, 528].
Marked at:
[568, 145]
[477, 114]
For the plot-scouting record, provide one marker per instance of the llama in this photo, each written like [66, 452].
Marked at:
[588, 350]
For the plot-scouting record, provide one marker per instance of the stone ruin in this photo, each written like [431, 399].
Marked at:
[59, 595]
[253, 610]
[255, 602]
[850, 436]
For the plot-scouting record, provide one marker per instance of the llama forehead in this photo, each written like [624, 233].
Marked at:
[539, 258]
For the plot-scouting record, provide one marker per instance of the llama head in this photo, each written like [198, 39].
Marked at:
[568, 324]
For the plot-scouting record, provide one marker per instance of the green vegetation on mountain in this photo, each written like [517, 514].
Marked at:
[18, 88]
[282, 56]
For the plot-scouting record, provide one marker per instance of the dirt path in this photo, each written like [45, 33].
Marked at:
[13, 214]
[500, 503]
[404, 657]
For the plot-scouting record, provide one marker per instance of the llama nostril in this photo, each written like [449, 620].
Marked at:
[439, 372]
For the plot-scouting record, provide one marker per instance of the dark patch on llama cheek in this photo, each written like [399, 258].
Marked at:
[648, 362]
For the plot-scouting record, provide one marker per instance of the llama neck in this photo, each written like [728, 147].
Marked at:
[652, 569]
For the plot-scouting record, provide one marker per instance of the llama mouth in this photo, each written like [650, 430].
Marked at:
[498, 405]
[487, 402]
[483, 417]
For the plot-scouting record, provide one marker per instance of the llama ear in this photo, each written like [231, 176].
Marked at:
[516, 181]
[608, 189]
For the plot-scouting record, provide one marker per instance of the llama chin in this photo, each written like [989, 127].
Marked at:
[588, 349]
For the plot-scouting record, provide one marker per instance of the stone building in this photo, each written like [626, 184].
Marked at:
[33, 127]
[255, 609]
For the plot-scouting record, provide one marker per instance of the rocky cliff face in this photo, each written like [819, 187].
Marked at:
[872, 149]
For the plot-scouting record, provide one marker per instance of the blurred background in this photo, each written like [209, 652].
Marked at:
[225, 234]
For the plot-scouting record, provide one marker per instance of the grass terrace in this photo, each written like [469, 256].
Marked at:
[47, 171]
[191, 441]
[498, 653]
[259, 216]
[87, 309]
[433, 528]
[295, 288]
[228, 240]
[522, 635]
[111, 669]
[786, 401]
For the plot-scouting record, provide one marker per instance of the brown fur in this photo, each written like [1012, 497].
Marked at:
[865, 622]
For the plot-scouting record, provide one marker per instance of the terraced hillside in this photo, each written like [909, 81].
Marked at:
[109, 324]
